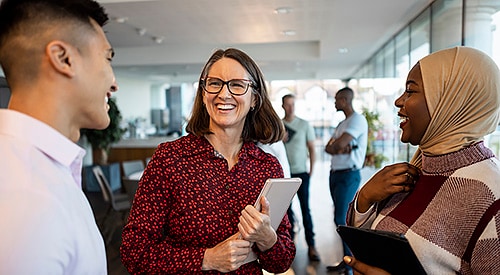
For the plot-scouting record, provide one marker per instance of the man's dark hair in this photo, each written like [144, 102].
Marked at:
[23, 22]
[285, 97]
[346, 90]
[12, 12]
[348, 93]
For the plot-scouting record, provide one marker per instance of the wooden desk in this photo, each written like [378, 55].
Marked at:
[133, 149]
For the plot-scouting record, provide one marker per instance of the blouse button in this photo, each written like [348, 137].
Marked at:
[227, 186]
[230, 212]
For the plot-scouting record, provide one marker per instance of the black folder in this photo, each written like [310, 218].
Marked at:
[387, 250]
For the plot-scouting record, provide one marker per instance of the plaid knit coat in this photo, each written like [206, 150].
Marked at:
[451, 218]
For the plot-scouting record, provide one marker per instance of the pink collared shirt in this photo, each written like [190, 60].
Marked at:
[48, 226]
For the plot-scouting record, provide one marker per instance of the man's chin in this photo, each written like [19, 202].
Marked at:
[101, 125]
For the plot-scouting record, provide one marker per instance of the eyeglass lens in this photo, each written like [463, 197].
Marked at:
[214, 85]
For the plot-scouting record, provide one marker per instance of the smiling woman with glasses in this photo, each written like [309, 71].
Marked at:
[193, 211]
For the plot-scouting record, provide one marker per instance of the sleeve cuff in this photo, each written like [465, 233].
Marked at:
[361, 218]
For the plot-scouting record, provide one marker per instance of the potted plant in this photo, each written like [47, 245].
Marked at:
[101, 140]
[373, 158]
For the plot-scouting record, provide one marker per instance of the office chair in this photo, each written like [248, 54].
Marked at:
[132, 166]
[130, 186]
[117, 204]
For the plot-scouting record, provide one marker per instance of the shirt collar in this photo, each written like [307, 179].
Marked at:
[45, 138]
[450, 162]
[249, 149]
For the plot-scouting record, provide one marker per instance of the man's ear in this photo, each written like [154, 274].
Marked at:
[61, 57]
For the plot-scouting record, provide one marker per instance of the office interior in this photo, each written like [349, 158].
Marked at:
[155, 109]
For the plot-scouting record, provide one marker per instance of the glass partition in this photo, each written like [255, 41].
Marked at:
[442, 25]
[446, 30]
[420, 37]
[381, 79]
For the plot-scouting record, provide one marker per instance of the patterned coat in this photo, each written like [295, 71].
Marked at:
[189, 201]
[451, 218]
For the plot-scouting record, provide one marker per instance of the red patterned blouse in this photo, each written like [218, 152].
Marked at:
[188, 201]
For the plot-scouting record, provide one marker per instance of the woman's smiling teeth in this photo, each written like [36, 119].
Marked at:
[225, 106]
[403, 120]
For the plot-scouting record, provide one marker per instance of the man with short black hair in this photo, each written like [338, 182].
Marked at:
[57, 62]
[348, 149]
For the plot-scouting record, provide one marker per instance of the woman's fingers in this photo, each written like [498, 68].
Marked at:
[362, 268]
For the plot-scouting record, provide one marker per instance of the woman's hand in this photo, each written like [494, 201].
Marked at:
[392, 179]
[360, 268]
[228, 255]
[256, 226]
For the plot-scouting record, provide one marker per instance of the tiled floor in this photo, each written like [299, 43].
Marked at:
[327, 241]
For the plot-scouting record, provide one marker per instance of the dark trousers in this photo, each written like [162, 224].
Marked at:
[343, 187]
[303, 195]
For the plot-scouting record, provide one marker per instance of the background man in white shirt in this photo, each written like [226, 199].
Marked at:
[348, 149]
[57, 62]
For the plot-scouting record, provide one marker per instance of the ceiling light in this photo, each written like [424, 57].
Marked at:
[121, 20]
[283, 10]
[289, 33]
[141, 31]
[343, 50]
[158, 39]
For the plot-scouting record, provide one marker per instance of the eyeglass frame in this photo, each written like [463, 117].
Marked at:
[226, 83]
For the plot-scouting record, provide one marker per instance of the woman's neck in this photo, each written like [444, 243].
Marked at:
[227, 144]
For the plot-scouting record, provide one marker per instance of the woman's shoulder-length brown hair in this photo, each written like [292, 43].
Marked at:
[261, 124]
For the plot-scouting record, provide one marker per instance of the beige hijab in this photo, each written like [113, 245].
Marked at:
[462, 90]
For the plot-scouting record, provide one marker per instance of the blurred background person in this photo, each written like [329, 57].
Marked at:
[299, 144]
[278, 150]
[193, 211]
[347, 148]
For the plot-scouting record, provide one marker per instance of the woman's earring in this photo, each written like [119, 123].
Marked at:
[252, 108]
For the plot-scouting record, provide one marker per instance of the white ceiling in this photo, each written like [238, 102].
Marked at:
[193, 29]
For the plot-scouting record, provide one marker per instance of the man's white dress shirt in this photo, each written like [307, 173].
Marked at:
[47, 224]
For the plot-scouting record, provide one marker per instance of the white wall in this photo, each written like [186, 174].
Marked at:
[134, 98]
[158, 96]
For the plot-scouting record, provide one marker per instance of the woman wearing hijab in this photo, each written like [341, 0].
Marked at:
[193, 211]
[446, 202]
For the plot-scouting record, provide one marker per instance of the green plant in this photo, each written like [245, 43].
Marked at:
[374, 125]
[102, 139]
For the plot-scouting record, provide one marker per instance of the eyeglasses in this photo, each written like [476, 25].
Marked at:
[214, 85]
